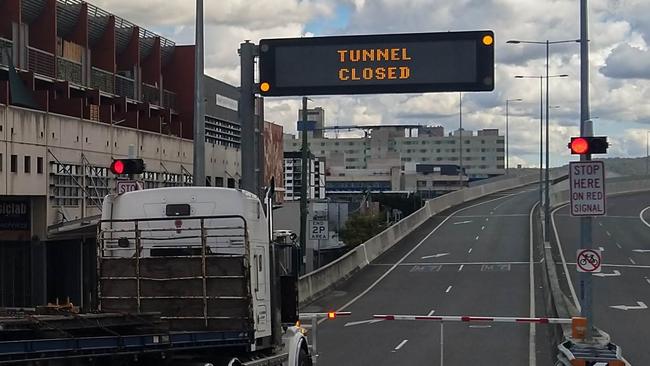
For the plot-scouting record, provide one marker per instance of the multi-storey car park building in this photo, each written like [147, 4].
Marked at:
[78, 87]
[406, 158]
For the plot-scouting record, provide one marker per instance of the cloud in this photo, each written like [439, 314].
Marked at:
[627, 62]
[619, 60]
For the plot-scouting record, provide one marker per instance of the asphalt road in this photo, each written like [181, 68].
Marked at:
[625, 239]
[472, 261]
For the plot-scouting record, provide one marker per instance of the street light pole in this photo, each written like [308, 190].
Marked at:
[547, 200]
[541, 126]
[508, 134]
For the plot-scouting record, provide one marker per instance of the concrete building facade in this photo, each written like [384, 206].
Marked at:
[384, 147]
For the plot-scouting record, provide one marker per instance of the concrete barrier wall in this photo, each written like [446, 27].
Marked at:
[315, 284]
[560, 195]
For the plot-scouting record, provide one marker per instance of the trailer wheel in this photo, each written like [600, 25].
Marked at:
[303, 358]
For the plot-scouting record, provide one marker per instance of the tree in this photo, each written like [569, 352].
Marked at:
[360, 228]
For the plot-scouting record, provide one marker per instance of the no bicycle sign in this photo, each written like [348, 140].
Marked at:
[589, 260]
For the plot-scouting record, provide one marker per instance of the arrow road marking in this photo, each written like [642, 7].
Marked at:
[435, 255]
[613, 274]
[369, 321]
[642, 250]
[462, 222]
[601, 249]
[641, 306]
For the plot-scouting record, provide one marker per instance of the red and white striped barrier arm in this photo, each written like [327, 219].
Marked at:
[487, 319]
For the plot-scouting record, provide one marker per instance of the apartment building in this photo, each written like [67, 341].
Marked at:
[293, 177]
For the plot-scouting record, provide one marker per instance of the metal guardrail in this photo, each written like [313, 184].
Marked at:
[102, 80]
[6, 51]
[40, 62]
[150, 94]
[124, 86]
[169, 99]
[68, 70]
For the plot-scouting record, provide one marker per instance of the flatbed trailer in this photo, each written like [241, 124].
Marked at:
[27, 338]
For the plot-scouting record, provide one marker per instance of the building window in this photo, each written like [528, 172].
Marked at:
[14, 164]
[1, 162]
[231, 183]
[500, 141]
[28, 164]
[208, 181]
[39, 165]
[218, 181]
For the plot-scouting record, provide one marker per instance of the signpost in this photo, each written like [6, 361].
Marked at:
[589, 260]
[587, 183]
[124, 186]
[371, 64]
[318, 230]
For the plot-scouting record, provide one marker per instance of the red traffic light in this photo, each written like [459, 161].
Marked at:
[579, 145]
[127, 166]
[117, 167]
[589, 145]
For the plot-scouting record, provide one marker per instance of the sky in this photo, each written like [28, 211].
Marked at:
[619, 33]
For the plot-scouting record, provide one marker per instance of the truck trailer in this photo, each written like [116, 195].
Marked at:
[185, 275]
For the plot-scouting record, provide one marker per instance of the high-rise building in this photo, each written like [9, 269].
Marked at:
[293, 176]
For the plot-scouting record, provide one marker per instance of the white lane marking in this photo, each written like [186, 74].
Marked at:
[647, 280]
[469, 251]
[601, 249]
[458, 263]
[641, 216]
[461, 267]
[435, 255]
[431, 312]
[610, 265]
[631, 260]
[640, 306]
[482, 227]
[489, 216]
[487, 219]
[402, 343]
[476, 237]
[532, 351]
[566, 270]
[608, 233]
[392, 268]
[448, 289]
[491, 212]
[462, 222]
[369, 321]
[600, 224]
[619, 246]
[641, 250]
[480, 326]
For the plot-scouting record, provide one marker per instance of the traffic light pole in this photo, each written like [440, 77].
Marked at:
[198, 175]
[585, 130]
[246, 111]
[304, 185]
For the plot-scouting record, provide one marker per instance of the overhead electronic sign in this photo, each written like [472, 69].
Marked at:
[372, 64]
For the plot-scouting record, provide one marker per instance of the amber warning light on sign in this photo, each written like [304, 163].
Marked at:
[392, 63]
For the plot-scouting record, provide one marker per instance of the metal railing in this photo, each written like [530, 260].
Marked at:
[137, 256]
[68, 70]
[124, 86]
[169, 99]
[6, 51]
[150, 94]
[40, 62]
[102, 80]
